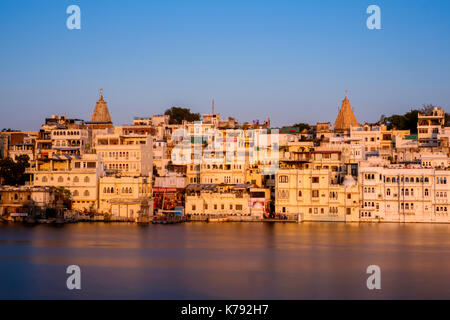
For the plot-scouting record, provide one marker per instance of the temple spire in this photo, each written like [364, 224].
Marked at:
[346, 118]
[101, 93]
[213, 106]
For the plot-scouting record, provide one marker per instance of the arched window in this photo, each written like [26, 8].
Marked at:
[76, 179]
[388, 191]
[86, 179]
[104, 189]
[76, 193]
[86, 193]
[60, 179]
[44, 179]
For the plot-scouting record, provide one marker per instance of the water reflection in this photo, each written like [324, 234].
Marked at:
[229, 260]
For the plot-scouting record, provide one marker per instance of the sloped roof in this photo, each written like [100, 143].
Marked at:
[345, 119]
[101, 113]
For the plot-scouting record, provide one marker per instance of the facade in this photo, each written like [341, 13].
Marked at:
[429, 127]
[317, 186]
[25, 201]
[125, 197]
[209, 200]
[127, 155]
[404, 194]
[79, 175]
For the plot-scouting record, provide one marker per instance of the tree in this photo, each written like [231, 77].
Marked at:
[63, 194]
[13, 172]
[177, 115]
[408, 121]
[302, 126]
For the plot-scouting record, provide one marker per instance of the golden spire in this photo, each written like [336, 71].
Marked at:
[345, 119]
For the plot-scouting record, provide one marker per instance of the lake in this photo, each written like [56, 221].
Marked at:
[225, 261]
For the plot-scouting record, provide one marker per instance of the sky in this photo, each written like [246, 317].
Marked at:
[288, 60]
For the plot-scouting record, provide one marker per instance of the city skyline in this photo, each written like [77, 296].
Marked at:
[252, 58]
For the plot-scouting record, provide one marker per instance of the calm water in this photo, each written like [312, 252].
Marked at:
[225, 261]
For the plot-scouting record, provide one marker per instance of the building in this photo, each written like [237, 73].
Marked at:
[125, 197]
[25, 201]
[429, 127]
[79, 175]
[404, 194]
[169, 190]
[318, 186]
[129, 155]
[212, 200]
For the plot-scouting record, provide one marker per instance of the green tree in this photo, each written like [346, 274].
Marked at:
[177, 115]
[13, 172]
[63, 194]
[302, 126]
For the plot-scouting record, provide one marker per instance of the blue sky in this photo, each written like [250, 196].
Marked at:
[289, 60]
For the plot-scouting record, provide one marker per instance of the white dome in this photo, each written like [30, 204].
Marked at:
[349, 181]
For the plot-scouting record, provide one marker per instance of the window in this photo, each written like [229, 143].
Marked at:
[315, 193]
[193, 207]
[315, 179]
[60, 179]
[283, 179]
[76, 179]
[239, 207]
[300, 193]
[349, 211]
[76, 193]
[86, 193]
[388, 191]
[349, 196]
[86, 179]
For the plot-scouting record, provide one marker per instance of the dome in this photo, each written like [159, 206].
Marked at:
[349, 181]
